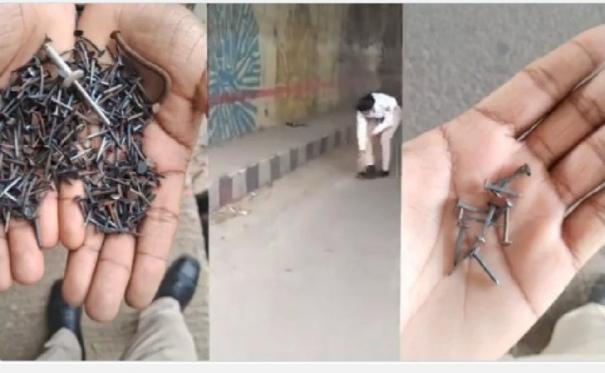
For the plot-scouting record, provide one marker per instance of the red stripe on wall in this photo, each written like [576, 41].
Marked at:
[296, 90]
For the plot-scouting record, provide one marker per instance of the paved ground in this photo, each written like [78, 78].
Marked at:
[456, 54]
[308, 269]
[229, 157]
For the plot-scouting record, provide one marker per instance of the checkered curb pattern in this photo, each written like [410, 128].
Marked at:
[234, 186]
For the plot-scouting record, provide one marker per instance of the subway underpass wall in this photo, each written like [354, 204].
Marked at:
[275, 63]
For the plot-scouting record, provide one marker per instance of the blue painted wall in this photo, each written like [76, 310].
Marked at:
[234, 63]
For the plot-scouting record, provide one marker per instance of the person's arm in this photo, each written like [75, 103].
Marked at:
[362, 131]
[387, 122]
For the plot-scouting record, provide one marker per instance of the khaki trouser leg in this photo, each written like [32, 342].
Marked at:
[62, 346]
[578, 335]
[367, 155]
[387, 136]
[385, 143]
[162, 334]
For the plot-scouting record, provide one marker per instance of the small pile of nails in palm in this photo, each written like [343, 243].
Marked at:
[499, 207]
[27, 112]
[81, 119]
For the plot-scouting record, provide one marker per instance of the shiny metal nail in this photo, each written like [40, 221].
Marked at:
[507, 240]
[459, 244]
[71, 79]
[488, 222]
[475, 255]
[523, 170]
[499, 190]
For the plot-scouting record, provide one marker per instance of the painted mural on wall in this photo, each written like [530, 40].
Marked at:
[297, 61]
[234, 63]
[315, 57]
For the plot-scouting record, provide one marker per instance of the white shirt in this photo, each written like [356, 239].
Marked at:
[384, 108]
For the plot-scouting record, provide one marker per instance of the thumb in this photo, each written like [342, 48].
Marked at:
[23, 28]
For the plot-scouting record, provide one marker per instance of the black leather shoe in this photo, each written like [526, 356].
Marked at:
[180, 280]
[368, 173]
[597, 293]
[59, 314]
[383, 174]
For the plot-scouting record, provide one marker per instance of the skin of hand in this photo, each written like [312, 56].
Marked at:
[378, 127]
[103, 269]
[376, 133]
[23, 28]
[554, 231]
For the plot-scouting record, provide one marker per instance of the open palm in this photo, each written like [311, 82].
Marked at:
[102, 269]
[23, 28]
[462, 314]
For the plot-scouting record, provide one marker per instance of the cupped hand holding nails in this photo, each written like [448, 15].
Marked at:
[103, 269]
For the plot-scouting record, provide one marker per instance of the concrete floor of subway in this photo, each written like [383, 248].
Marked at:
[308, 268]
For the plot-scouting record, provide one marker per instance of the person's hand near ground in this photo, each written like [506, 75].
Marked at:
[23, 28]
[463, 315]
[102, 269]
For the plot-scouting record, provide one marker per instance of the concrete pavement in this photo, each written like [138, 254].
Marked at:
[308, 269]
[455, 54]
[242, 165]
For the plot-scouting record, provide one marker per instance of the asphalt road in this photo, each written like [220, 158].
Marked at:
[454, 55]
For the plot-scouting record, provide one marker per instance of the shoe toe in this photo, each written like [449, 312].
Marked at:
[181, 280]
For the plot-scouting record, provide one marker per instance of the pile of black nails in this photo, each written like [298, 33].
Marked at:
[119, 179]
[29, 119]
[499, 206]
[79, 119]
